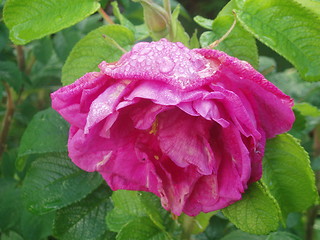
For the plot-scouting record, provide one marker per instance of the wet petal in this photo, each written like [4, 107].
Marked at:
[185, 140]
[162, 61]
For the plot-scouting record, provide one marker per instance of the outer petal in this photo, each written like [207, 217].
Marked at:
[171, 63]
[272, 108]
[225, 186]
[73, 101]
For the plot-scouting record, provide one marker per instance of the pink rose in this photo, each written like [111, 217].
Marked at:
[187, 125]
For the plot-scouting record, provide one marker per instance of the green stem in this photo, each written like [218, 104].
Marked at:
[167, 8]
[187, 227]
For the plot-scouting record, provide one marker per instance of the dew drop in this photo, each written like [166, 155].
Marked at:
[145, 51]
[166, 66]
[159, 47]
[141, 58]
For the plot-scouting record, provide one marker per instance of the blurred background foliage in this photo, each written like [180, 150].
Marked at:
[31, 72]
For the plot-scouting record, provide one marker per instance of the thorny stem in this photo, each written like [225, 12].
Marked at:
[216, 43]
[7, 120]
[105, 16]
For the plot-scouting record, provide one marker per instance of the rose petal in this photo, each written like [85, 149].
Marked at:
[272, 108]
[163, 61]
[73, 101]
[185, 140]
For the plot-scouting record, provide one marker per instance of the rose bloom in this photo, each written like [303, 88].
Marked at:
[187, 125]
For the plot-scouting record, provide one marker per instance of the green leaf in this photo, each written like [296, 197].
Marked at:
[64, 41]
[239, 235]
[288, 175]
[217, 228]
[123, 20]
[142, 228]
[203, 22]
[286, 27]
[140, 31]
[11, 236]
[34, 19]
[10, 204]
[44, 74]
[46, 133]
[129, 205]
[202, 221]
[197, 224]
[15, 217]
[257, 212]
[299, 125]
[179, 34]
[239, 43]
[4, 36]
[10, 73]
[54, 182]
[43, 49]
[312, 5]
[282, 236]
[194, 41]
[291, 84]
[96, 47]
[307, 109]
[34, 226]
[84, 219]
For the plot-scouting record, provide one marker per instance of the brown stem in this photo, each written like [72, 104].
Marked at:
[105, 16]
[20, 57]
[313, 212]
[312, 215]
[7, 120]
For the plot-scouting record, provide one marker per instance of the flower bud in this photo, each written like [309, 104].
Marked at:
[156, 19]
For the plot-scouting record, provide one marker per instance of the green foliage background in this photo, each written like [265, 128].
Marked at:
[47, 43]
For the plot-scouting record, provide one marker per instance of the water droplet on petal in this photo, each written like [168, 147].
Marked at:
[159, 47]
[167, 65]
[145, 51]
[141, 58]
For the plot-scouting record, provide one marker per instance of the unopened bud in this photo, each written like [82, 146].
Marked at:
[156, 18]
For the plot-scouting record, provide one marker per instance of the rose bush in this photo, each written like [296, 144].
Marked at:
[187, 125]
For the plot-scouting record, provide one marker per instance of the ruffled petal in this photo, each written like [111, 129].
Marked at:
[177, 184]
[184, 139]
[105, 104]
[271, 107]
[226, 185]
[73, 101]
